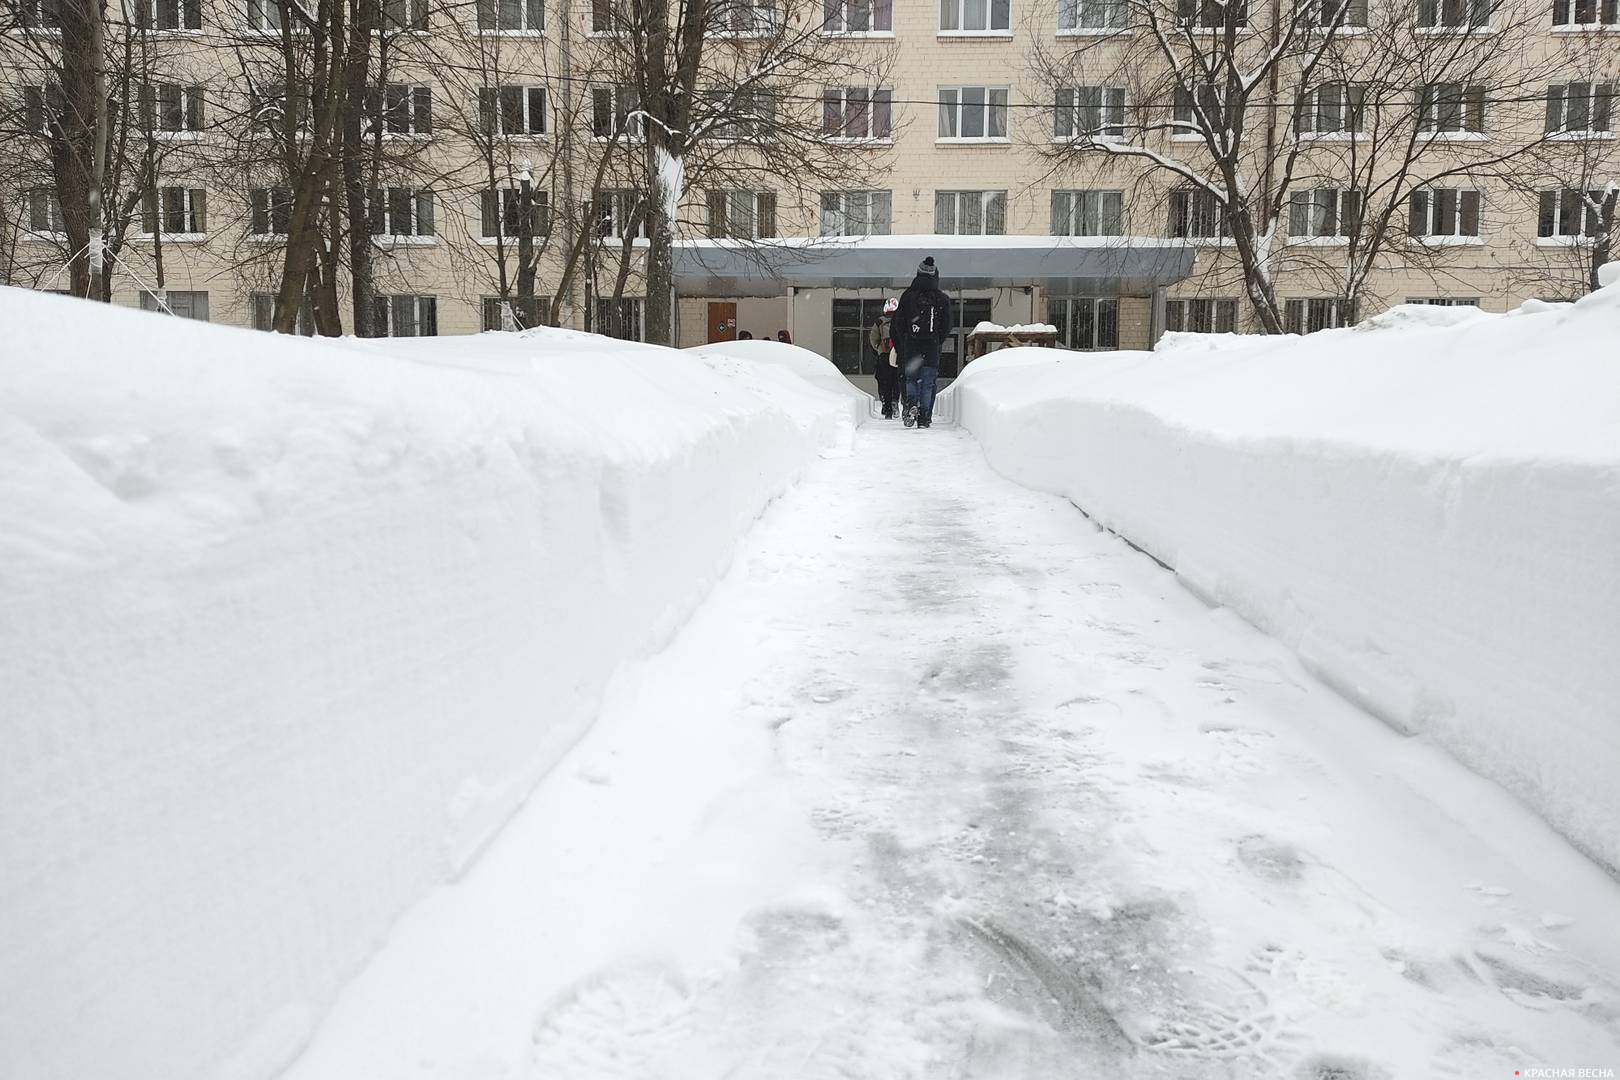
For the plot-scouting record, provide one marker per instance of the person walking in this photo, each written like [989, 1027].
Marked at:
[784, 337]
[887, 368]
[921, 324]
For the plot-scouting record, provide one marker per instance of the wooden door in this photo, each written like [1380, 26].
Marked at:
[722, 322]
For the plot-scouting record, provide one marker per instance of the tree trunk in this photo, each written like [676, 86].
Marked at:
[1604, 241]
[366, 19]
[78, 159]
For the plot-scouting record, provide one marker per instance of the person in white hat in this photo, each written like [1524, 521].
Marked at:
[886, 366]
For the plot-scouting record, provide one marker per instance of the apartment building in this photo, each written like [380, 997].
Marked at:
[1031, 146]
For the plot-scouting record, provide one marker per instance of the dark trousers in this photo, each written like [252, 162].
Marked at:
[920, 379]
[888, 382]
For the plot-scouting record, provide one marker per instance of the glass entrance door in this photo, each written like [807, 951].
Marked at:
[851, 318]
[970, 312]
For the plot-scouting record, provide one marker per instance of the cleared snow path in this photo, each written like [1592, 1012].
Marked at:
[943, 782]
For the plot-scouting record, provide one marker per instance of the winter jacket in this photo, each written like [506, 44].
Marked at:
[923, 321]
[878, 337]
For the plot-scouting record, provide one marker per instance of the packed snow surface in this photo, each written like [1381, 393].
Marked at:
[289, 629]
[1429, 515]
[944, 782]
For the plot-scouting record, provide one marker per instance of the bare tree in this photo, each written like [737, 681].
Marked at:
[1299, 140]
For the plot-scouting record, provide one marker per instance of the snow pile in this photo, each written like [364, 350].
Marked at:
[291, 628]
[788, 367]
[1017, 328]
[1431, 520]
[1417, 316]
[1188, 341]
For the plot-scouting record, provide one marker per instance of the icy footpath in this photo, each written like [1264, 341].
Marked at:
[943, 782]
[287, 632]
[1425, 508]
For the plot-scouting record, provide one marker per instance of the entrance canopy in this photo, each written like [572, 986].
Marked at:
[1062, 265]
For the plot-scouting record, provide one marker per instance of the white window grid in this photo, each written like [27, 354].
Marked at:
[514, 111]
[1451, 107]
[1581, 108]
[1201, 315]
[856, 213]
[1196, 214]
[511, 16]
[1587, 13]
[858, 16]
[973, 113]
[1308, 315]
[402, 212]
[858, 113]
[1089, 112]
[1454, 14]
[1323, 213]
[742, 215]
[1331, 108]
[1444, 212]
[403, 315]
[970, 213]
[975, 16]
[1088, 212]
[1097, 15]
[177, 211]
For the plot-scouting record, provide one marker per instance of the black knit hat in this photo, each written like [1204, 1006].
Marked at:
[928, 269]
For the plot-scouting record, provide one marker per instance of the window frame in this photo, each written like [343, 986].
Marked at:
[875, 11]
[1075, 210]
[150, 13]
[1597, 104]
[635, 306]
[618, 204]
[386, 309]
[383, 205]
[1214, 311]
[537, 315]
[1104, 314]
[727, 202]
[1606, 15]
[492, 111]
[1190, 208]
[1556, 205]
[988, 106]
[45, 203]
[1345, 214]
[1432, 16]
[1351, 109]
[1109, 108]
[157, 210]
[488, 14]
[958, 14]
[838, 105]
[843, 200]
[623, 116]
[1313, 314]
[1072, 18]
[1469, 102]
[992, 206]
[1433, 205]
[502, 207]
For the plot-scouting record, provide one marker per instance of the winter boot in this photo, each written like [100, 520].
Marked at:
[888, 410]
[911, 415]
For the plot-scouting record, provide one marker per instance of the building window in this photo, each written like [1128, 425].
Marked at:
[168, 14]
[1089, 112]
[855, 213]
[186, 305]
[975, 16]
[501, 213]
[1085, 322]
[744, 18]
[267, 114]
[1331, 108]
[181, 211]
[1586, 12]
[404, 110]
[1451, 107]
[45, 212]
[615, 209]
[1088, 213]
[264, 16]
[742, 115]
[1186, 119]
[1197, 215]
[1211, 14]
[401, 211]
[513, 110]
[170, 107]
[263, 314]
[604, 16]
[1579, 107]
[43, 108]
[1570, 212]
[1329, 13]
[1444, 212]
[1444, 301]
[1324, 212]
[526, 312]
[973, 112]
[516, 16]
[742, 215]
[858, 16]
[970, 213]
[1092, 15]
[1454, 14]
[857, 112]
[40, 14]
[405, 14]
[621, 318]
[1309, 316]
[614, 111]
[271, 212]
[405, 316]
[1201, 316]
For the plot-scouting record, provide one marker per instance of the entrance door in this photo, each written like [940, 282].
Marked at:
[852, 316]
[722, 321]
[970, 312]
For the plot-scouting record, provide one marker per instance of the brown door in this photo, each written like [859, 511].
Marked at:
[722, 322]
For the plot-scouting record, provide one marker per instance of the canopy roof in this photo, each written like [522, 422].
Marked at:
[1082, 265]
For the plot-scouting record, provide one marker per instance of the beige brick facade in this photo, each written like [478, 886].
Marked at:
[455, 266]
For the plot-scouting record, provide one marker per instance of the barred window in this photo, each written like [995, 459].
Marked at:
[405, 316]
[970, 213]
[742, 215]
[1201, 316]
[1309, 316]
[1197, 215]
[1085, 322]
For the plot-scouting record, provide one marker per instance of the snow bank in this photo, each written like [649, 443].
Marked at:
[1430, 516]
[788, 367]
[290, 628]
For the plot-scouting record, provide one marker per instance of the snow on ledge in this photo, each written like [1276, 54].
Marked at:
[1423, 508]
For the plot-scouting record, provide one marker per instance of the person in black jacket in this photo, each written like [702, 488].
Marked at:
[921, 326]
